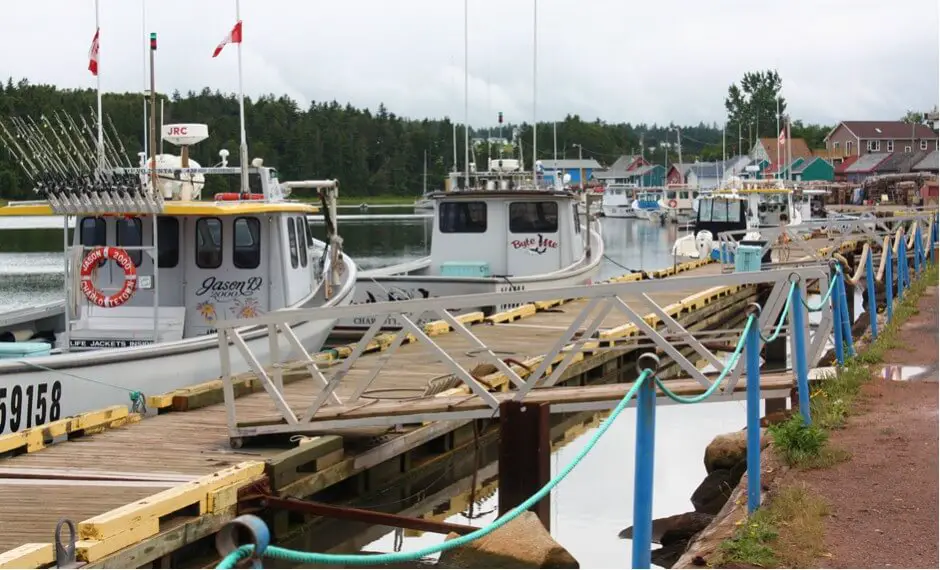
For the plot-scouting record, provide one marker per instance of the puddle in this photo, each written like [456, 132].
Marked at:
[899, 373]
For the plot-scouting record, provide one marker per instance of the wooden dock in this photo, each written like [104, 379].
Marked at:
[141, 488]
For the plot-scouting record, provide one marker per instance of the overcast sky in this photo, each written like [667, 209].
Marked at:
[620, 60]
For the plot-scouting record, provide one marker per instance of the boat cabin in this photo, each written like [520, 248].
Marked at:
[505, 224]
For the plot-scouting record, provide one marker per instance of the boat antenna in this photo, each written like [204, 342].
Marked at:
[535, 45]
[466, 92]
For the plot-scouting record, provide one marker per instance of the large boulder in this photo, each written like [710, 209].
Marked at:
[729, 449]
[521, 543]
[671, 529]
[713, 492]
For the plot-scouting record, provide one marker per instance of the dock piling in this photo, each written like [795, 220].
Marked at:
[644, 462]
[752, 361]
[524, 457]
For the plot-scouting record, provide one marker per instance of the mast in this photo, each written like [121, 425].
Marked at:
[779, 150]
[466, 93]
[153, 116]
[243, 145]
[98, 88]
[424, 189]
[535, 45]
[143, 54]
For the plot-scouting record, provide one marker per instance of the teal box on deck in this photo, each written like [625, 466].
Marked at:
[465, 269]
[747, 258]
[24, 349]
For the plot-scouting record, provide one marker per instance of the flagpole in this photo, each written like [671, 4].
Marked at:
[779, 162]
[98, 86]
[466, 93]
[143, 32]
[535, 121]
[243, 146]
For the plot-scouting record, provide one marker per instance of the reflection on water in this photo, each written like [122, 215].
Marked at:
[595, 502]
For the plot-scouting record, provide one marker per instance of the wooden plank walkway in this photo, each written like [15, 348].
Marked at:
[196, 444]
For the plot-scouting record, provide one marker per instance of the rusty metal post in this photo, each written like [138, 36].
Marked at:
[524, 456]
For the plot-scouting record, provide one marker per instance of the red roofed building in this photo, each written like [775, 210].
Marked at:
[856, 138]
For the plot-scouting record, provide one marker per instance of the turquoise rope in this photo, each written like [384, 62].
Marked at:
[783, 317]
[832, 285]
[732, 362]
[289, 555]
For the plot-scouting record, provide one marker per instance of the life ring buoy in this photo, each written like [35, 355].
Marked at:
[672, 203]
[123, 259]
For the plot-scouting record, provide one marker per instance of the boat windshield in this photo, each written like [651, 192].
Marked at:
[719, 210]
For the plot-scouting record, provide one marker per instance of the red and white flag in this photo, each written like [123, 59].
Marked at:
[782, 139]
[233, 37]
[93, 54]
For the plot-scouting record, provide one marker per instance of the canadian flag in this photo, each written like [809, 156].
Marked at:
[782, 139]
[233, 37]
[93, 54]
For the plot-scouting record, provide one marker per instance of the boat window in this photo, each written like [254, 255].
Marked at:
[168, 241]
[577, 220]
[208, 243]
[720, 211]
[302, 242]
[462, 217]
[705, 210]
[683, 195]
[246, 248]
[533, 217]
[130, 233]
[94, 231]
[292, 241]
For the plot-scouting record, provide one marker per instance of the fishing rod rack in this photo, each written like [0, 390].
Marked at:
[76, 174]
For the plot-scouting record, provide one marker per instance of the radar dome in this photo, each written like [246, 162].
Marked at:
[186, 186]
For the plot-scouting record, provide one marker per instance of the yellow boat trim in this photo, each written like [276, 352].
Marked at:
[181, 208]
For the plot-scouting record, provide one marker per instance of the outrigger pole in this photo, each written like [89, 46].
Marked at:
[243, 145]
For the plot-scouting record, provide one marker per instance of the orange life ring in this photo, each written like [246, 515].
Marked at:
[225, 196]
[120, 257]
[672, 203]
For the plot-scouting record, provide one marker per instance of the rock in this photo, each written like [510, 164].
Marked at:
[729, 449]
[521, 543]
[713, 492]
[775, 418]
[672, 529]
[668, 555]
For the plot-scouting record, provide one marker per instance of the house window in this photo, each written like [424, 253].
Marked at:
[168, 242]
[890, 146]
[208, 243]
[836, 145]
[292, 241]
[874, 146]
[907, 148]
[302, 235]
[246, 248]
[923, 144]
[848, 148]
[533, 217]
[130, 233]
[462, 217]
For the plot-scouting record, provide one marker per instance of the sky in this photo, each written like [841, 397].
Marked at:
[617, 60]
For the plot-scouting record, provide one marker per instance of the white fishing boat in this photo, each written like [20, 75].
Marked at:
[504, 231]
[151, 267]
[744, 206]
[618, 201]
[677, 203]
[647, 204]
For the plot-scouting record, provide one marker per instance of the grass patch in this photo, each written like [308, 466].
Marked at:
[786, 532]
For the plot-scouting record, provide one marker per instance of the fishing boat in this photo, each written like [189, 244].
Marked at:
[618, 201]
[503, 230]
[647, 204]
[743, 206]
[151, 267]
[677, 203]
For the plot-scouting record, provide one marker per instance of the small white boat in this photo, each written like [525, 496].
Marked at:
[746, 206]
[677, 203]
[138, 320]
[618, 201]
[506, 231]
[647, 204]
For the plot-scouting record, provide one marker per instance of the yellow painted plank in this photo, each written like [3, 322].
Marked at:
[94, 550]
[116, 520]
[32, 555]
[519, 312]
[33, 438]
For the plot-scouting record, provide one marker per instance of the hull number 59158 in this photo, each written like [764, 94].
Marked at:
[33, 405]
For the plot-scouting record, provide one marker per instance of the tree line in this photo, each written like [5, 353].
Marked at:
[371, 152]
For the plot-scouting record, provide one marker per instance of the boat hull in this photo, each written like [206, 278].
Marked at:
[38, 390]
[618, 211]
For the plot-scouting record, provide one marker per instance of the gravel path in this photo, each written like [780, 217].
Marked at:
[883, 501]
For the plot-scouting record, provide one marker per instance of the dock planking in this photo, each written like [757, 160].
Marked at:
[195, 443]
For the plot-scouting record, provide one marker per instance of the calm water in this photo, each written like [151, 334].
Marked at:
[595, 502]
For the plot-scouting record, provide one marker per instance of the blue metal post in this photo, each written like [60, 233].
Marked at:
[802, 368]
[872, 298]
[933, 241]
[846, 320]
[918, 242]
[889, 286]
[902, 267]
[836, 303]
[643, 474]
[753, 418]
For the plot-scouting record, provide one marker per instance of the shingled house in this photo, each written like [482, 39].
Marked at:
[855, 138]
